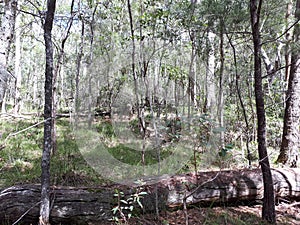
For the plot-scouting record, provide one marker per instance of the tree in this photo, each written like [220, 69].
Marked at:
[291, 133]
[6, 38]
[18, 73]
[268, 210]
[55, 74]
[45, 177]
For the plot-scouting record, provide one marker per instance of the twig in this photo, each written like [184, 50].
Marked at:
[21, 131]
[30, 13]
[281, 35]
[190, 194]
[26, 213]
[294, 204]
[274, 71]
[185, 210]
[197, 188]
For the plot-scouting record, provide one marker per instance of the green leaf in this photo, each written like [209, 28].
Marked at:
[123, 201]
[140, 204]
[129, 199]
[115, 209]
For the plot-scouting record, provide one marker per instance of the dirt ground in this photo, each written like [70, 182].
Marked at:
[287, 214]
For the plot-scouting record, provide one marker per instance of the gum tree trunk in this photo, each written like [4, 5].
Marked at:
[291, 133]
[6, 38]
[18, 52]
[45, 177]
[268, 209]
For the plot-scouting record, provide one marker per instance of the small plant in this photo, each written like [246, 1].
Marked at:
[122, 212]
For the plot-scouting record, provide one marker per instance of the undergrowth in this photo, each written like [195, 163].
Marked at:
[20, 156]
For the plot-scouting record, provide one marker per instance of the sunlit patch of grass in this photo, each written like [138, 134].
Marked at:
[20, 159]
[132, 156]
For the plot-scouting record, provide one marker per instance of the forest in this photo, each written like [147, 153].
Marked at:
[149, 112]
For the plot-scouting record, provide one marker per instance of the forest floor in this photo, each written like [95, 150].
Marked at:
[20, 154]
[237, 215]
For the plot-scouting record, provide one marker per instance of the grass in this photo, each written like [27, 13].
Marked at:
[20, 159]
[131, 156]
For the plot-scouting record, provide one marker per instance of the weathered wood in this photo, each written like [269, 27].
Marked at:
[72, 205]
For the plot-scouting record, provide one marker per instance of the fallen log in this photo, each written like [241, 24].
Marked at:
[77, 205]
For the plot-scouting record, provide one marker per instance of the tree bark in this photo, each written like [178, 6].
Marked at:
[221, 83]
[18, 72]
[93, 205]
[268, 209]
[45, 176]
[211, 102]
[78, 70]
[6, 38]
[291, 132]
[288, 37]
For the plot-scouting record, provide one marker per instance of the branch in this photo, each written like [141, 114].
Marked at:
[18, 220]
[197, 188]
[35, 6]
[281, 35]
[21, 131]
[280, 68]
[30, 13]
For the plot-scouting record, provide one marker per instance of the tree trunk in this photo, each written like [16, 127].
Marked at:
[291, 133]
[221, 83]
[268, 210]
[240, 98]
[210, 106]
[6, 38]
[288, 37]
[83, 205]
[45, 177]
[78, 69]
[18, 72]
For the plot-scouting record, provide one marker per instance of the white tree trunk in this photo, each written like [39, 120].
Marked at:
[18, 72]
[6, 37]
[211, 105]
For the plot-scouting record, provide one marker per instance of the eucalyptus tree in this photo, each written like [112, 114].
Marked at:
[268, 210]
[6, 39]
[48, 107]
[289, 150]
[18, 72]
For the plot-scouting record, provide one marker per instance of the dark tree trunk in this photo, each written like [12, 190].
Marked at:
[268, 210]
[291, 133]
[45, 177]
[94, 205]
